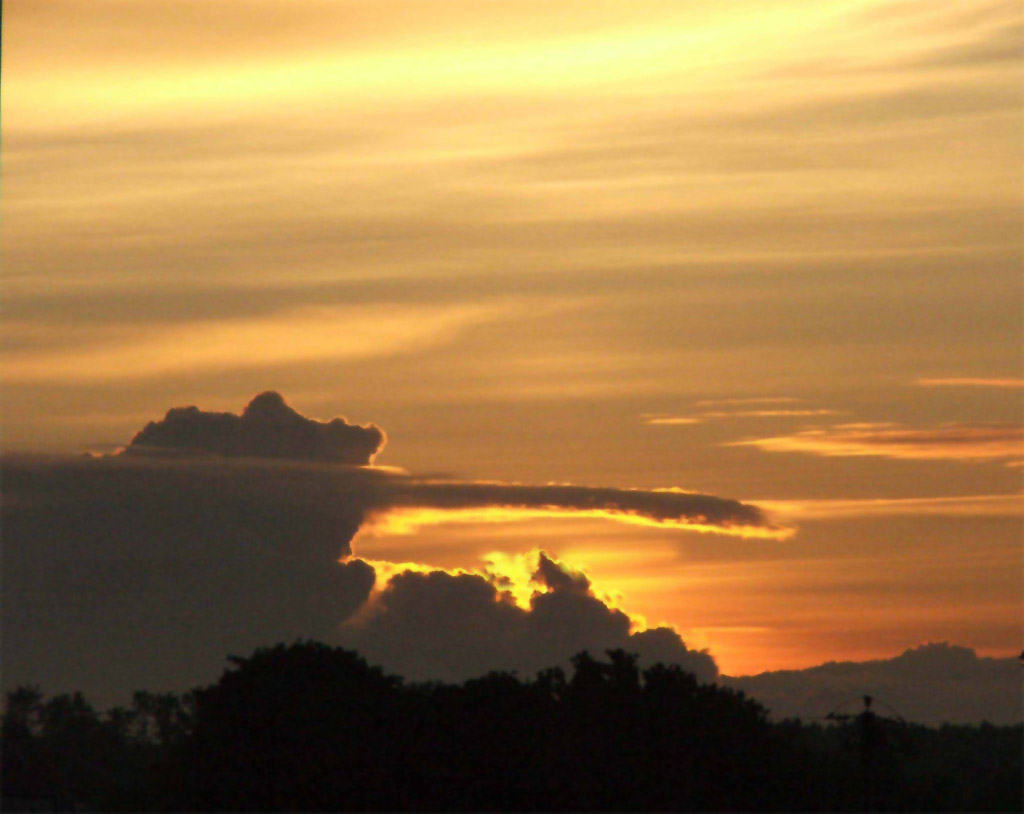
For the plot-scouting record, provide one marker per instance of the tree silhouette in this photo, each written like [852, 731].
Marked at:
[308, 727]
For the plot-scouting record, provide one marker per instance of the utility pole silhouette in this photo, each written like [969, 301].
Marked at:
[870, 740]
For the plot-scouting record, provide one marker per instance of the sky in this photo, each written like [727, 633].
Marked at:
[769, 253]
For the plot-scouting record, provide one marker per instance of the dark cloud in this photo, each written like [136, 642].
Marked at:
[933, 683]
[144, 571]
[185, 507]
[267, 428]
[669, 507]
[438, 625]
[558, 577]
[662, 644]
[135, 572]
[122, 574]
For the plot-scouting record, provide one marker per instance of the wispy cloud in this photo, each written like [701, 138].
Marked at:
[309, 334]
[1011, 505]
[752, 400]
[954, 442]
[1013, 384]
[767, 413]
[724, 415]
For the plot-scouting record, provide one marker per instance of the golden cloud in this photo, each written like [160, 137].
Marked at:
[952, 442]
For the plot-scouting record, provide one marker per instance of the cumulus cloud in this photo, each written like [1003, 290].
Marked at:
[267, 428]
[558, 577]
[953, 442]
[435, 624]
[933, 683]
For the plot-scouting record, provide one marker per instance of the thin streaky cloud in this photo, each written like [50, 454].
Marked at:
[752, 400]
[951, 442]
[406, 504]
[1011, 505]
[327, 334]
[710, 415]
[1011, 384]
[767, 413]
[404, 521]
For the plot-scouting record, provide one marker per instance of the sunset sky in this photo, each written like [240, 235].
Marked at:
[764, 251]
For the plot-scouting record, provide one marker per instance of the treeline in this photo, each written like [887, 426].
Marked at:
[313, 728]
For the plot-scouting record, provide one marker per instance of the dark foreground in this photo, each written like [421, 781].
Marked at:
[311, 728]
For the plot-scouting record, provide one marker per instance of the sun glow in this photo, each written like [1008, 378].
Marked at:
[512, 574]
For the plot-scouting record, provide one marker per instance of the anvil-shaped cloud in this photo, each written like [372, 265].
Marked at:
[214, 533]
[397, 503]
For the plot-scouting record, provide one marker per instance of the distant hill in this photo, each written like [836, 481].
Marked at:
[931, 684]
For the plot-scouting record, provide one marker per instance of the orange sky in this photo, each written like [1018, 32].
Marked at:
[769, 251]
